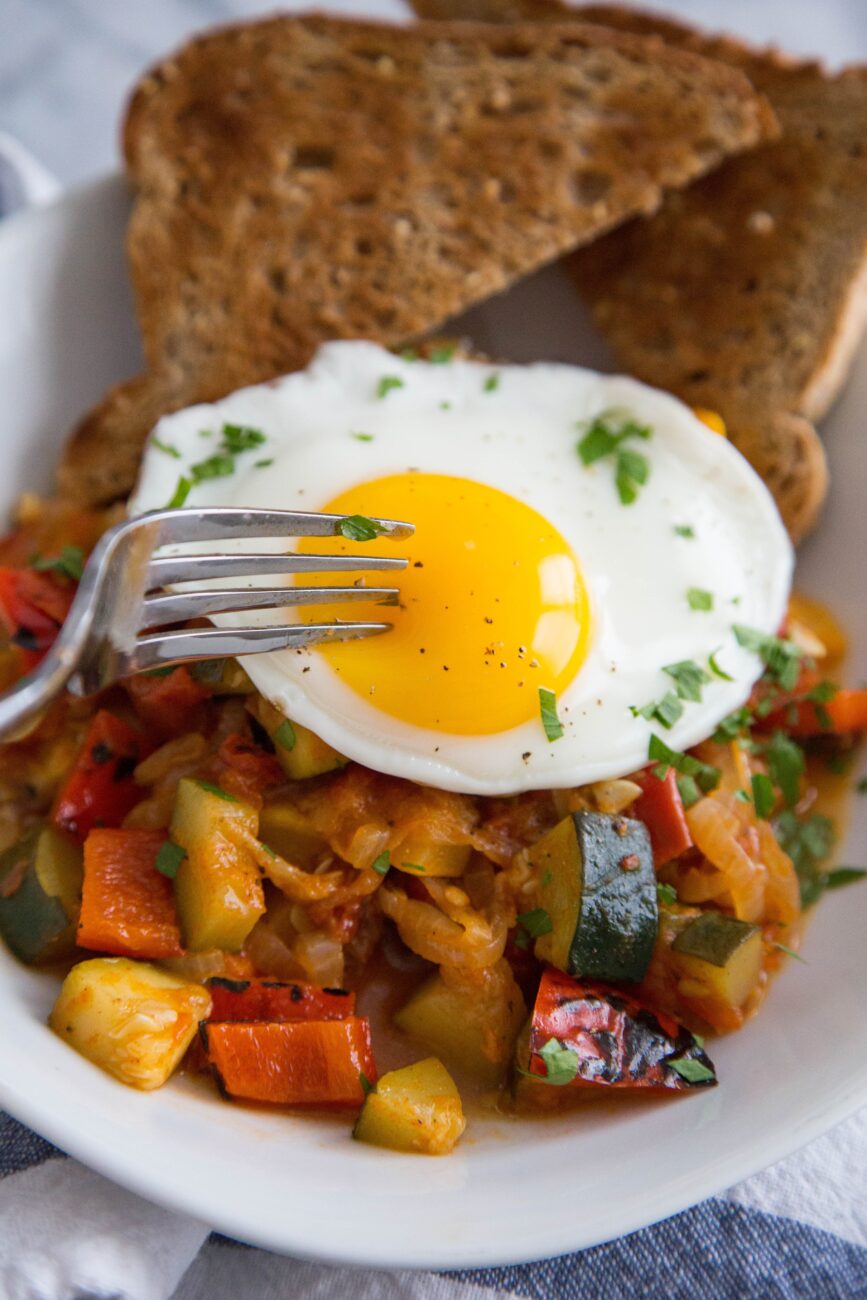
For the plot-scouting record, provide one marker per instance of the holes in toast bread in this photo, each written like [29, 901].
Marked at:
[698, 376]
[364, 246]
[314, 157]
[600, 74]
[514, 50]
[277, 279]
[590, 186]
[363, 199]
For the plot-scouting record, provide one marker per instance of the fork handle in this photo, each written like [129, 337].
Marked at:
[22, 706]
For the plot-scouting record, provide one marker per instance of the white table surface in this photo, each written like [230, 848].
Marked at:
[66, 66]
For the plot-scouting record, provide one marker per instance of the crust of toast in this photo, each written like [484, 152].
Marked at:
[305, 179]
[748, 292]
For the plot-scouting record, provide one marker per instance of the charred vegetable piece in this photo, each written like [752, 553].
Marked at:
[218, 888]
[586, 1035]
[300, 753]
[721, 958]
[99, 790]
[129, 1018]
[417, 1108]
[127, 905]
[597, 885]
[32, 608]
[660, 807]
[308, 1063]
[273, 1000]
[289, 833]
[474, 1032]
[424, 857]
[40, 891]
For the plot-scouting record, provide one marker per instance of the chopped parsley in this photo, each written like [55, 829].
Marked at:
[764, 797]
[605, 438]
[561, 1065]
[220, 465]
[413, 866]
[548, 712]
[387, 383]
[790, 952]
[491, 384]
[240, 437]
[808, 842]
[707, 778]
[691, 1070]
[169, 859]
[166, 447]
[381, 864]
[684, 530]
[441, 355]
[665, 711]
[180, 494]
[366, 1085]
[688, 679]
[362, 437]
[284, 736]
[715, 668]
[263, 464]
[70, 563]
[699, 599]
[667, 894]
[216, 790]
[733, 725]
[358, 528]
[786, 766]
[531, 925]
[781, 658]
[688, 790]
[842, 876]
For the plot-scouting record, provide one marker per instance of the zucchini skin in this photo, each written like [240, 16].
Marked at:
[601, 896]
[39, 925]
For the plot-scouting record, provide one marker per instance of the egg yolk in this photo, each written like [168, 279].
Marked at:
[492, 606]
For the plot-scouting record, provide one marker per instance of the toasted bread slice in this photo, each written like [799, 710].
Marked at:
[299, 180]
[747, 293]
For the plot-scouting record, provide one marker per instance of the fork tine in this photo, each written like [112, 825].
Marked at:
[165, 648]
[208, 524]
[180, 606]
[168, 569]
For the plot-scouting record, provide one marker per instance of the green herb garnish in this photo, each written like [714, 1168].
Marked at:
[180, 494]
[667, 894]
[366, 1085]
[688, 790]
[440, 356]
[707, 778]
[790, 952]
[217, 790]
[842, 876]
[285, 736]
[561, 1065]
[362, 437]
[169, 859]
[531, 925]
[240, 437]
[358, 528]
[684, 530]
[604, 438]
[381, 864]
[688, 678]
[715, 668]
[387, 383]
[691, 1070]
[548, 712]
[413, 866]
[70, 562]
[763, 795]
[785, 765]
[861, 787]
[165, 447]
[491, 384]
[263, 464]
[781, 658]
[808, 842]
[699, 599]
[220, 465]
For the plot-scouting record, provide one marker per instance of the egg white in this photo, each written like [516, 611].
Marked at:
[519, 437]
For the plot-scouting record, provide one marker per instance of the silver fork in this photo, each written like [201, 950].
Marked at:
[121, 598]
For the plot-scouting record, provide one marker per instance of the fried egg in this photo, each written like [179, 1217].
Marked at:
[576, 534]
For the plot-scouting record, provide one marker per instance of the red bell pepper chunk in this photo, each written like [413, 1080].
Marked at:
[277, 1001]
[245, 769]
[306, 1063]
[99, 790]
[32, 608]
[167, 705]
[845, 712]
[616, 1040]
[660, 807]
[127, 906]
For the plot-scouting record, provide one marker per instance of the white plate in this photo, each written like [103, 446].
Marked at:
[514, 1190]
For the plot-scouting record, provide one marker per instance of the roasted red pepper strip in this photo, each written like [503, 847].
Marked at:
[127, 906]
[99, 790]
[274, 1000]
[310, 1062]
[245, 769]
[32, 609]
[167, 705]
[660, 807]
[845, 712]
[617, 1041]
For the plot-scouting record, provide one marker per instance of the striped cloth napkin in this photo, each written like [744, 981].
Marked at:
[798, 1230]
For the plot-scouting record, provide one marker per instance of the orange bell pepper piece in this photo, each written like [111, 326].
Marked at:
[308, 1063]
[127, 906]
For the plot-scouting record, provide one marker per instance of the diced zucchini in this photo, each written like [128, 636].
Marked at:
[300, 753]
[417, 1108]
[416, 851]
[40, 893]
[289, 833]
[473, 1033]
[129, 1018]
[722, 955]
[218, 888]
[597, 884]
